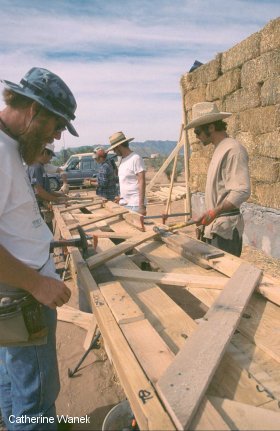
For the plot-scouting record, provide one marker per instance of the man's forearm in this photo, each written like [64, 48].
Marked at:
[16, 274]
[225, 206]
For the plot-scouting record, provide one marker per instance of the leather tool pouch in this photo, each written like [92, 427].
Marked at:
[22, 322]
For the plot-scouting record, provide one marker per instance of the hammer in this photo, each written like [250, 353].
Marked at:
[75, 242]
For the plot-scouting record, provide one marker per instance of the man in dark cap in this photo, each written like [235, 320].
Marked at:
[35, 114]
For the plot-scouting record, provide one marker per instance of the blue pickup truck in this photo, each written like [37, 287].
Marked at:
[78, 167]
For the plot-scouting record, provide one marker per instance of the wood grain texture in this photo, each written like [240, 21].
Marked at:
[185, 382]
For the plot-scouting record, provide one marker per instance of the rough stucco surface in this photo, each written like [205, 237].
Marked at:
[245, 80]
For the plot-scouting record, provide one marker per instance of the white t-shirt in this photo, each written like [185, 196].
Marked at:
[23, 232]
[129, 167]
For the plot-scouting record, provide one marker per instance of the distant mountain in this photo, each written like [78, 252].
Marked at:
[145, 149]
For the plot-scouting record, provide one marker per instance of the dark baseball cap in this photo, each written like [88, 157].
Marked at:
[50, 91]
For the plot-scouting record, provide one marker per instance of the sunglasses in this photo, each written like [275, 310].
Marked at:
[60, 128]
[48, 152]
[197, 131]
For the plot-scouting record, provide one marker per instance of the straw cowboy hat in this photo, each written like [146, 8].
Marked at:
[116, 139]
[205, 113]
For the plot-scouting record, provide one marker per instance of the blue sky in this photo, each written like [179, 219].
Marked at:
[123, 59]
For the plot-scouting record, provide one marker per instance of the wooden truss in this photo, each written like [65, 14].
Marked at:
[216, 374]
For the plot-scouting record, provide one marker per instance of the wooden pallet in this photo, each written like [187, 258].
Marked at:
[221, 373]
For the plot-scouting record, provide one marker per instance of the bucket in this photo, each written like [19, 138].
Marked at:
[118, 418]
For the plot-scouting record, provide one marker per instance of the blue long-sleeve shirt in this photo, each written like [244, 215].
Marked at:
[106, 180]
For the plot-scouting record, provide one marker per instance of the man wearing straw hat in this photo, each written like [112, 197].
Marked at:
[36, 112]
[228, 182]
[131, 174]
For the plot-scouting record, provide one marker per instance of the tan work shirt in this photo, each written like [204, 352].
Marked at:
[227, 178]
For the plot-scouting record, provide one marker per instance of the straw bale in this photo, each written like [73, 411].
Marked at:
[270, 36]
[242, 99]
[248, 141]
[270, 91]
[226, 84]
[197, 183]
[253, 197]
[195, 96]
[269, 144]
[268, 194]
[199, 165]
[243, 51]
[264, 169]
[195, 147]
[233, 123]
[202, 75]
[258, 70]
[260, 120]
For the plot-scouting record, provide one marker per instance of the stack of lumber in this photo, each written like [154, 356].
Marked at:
[178, 192]
[218, 373]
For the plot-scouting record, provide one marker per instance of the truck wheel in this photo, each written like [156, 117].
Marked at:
[54, 184]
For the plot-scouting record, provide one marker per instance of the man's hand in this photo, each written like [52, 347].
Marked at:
[117, 199]
[64, 189]
[51, 292]
[206, 218]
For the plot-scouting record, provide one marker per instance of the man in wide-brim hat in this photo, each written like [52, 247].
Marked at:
[228, 182]
[131, 174]
[36, 112]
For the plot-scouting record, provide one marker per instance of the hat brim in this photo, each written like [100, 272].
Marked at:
[208, 118]
[119, 143]
[28, 93]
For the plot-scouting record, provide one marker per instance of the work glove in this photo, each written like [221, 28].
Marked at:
[206, 218]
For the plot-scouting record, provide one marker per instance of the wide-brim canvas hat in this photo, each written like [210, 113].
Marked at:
[116, 139]
[205, 113]
[50, 91]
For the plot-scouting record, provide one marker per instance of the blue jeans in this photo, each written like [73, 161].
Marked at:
[29, 382]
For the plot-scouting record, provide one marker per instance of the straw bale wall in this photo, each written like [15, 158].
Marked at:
[244, 80]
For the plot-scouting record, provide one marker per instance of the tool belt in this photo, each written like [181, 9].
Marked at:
[22, 321]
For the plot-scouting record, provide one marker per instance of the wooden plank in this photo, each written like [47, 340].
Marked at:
[73, 315]
[99, 218]
[246, 417]
[261, 323]
[196, 251]
[79, 206]
[123, 308]
[173, 279]
[100, 258]
[269, 286]
[150, 414]
[134, 219]
[185, 382]
[174, 325]
[119, 235]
